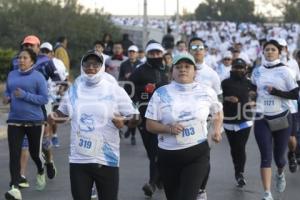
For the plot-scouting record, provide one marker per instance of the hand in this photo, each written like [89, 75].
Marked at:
[118, 121]
[232, 99]
[269, 89]
[217, 137]
[6, 100]
[149, 88]
[19, 93]
[176, 129]
[127, 75]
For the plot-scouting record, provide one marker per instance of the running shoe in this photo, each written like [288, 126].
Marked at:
[127, 134]
[55, 141]
[267, 196]
[293, 165]
[280, 182]
[241, 181]
[51, 170]
[94, 193]
[149, 189]
[202, 195]
[40, 181]
[13, 194]
[23, 183]
[133, 141]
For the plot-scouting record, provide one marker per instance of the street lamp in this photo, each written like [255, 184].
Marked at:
[145, 25]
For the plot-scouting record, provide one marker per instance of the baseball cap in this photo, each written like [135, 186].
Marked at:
[31, 39]
[133, 48]
[227, 54]
[184, 56]
[154, 46]
[282, 42]
[239, 63]
[92, 53]
[46, 45]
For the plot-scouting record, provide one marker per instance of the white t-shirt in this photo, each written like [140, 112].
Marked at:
[207, 76]
[294, 69]
[187, 104]
[94, 138]
[61, 69]
[279, 78]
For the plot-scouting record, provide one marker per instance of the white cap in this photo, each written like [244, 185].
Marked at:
[154, 46]
[282, 42]
[47, 45]
[133, 48]
[227, 54]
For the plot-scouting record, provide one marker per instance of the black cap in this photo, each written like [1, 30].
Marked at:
[92, 53]
[240, 63]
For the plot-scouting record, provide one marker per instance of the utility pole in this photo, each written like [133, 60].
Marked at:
[145, 25]
[165, 17]
[177, 22]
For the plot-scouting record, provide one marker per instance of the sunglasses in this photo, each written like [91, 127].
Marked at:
[91, 65]
[227, 59]
[197, 47]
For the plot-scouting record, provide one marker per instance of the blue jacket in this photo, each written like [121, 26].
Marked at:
[34, 94]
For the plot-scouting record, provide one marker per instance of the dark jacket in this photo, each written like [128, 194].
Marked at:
[234, 112]
[127, 67]
[140, 78]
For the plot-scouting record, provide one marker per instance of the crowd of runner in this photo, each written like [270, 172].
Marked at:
[181, 95]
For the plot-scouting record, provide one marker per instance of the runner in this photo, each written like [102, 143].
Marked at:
[26, 91]
[94, 155]
[275, 86]
[178, 113]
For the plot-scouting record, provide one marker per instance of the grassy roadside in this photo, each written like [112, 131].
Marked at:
[2, 110]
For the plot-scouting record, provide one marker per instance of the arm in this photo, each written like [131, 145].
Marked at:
[156, 127]
[57, 116]
[217, 124]
[40, 98]
[131, 121]
[292, 94]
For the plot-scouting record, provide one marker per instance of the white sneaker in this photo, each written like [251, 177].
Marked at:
[267, 196]
[202, 195]
[280, 182]
[40, 181]
[94, 193]
[13, 194]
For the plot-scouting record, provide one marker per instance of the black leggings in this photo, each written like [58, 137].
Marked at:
[82, 177]
[150, 143]
[183, 171]
[15, 139]
[237, 141]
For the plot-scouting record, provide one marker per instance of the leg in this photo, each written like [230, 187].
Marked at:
[151, 145]
[263, 138]
[107, 182]
[169, 173]
[237, 141]
[15, 137]
[35, 136]
[194, 173]
[81, 181]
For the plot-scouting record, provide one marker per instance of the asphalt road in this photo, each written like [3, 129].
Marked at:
[134, 173]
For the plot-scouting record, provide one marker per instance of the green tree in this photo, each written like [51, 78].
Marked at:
[50, 19]
[227, 10]
[291, 11]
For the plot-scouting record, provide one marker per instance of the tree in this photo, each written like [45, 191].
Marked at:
[291, 11]
[50, 19]
[227, 10]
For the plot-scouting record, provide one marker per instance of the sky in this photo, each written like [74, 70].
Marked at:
[156, 7]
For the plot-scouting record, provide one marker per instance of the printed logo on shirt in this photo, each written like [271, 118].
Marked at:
[87, 123]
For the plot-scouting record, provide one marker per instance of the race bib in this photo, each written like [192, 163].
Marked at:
[272, 105]
[88, 144]
[191, 133]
